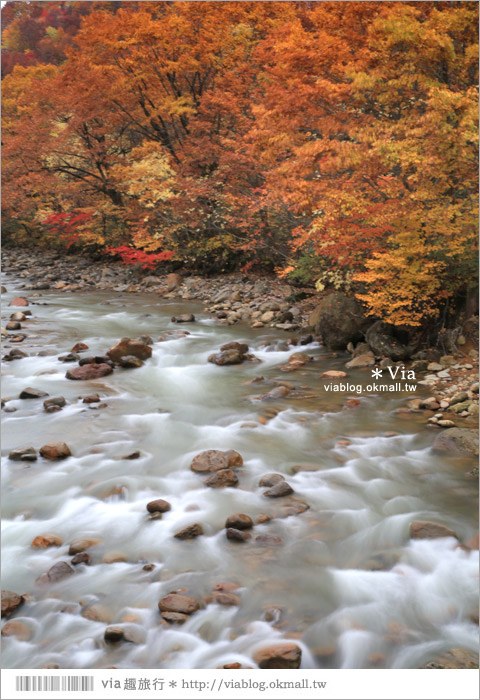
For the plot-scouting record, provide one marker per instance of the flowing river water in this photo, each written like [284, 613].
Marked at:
[343, 580]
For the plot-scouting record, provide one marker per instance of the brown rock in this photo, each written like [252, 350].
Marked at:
[55, 450]
[263, 518]
[173, 280]
[456, 658]
[59, 571]
[113, 558]
[158, 506]
[81, 544]
[279, 656]
[424, 529]
[47, 540]
[10, 602]
[79, 347]
[183, 318]
[242, 348]
[19, 301]
[89, 371]
[237, 535]
[174, 618]
[189, 532]
[32, 393]
[271, 479]
[228, 357]
[222, 479]
[365, 360]
[92, 398]
[56, 403]
[239, 521]
[18, 629]
[352, 403]
[80, 558]
[472, 543]
[278, 490]
[214, 460]
[127, 346]
[227, 599]
[333, 374]
[13, 326]
[177, 603]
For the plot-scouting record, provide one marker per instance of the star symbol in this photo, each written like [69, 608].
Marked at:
[173, 684]
[376, 373]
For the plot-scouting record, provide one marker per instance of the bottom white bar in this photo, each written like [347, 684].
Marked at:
[348, 684]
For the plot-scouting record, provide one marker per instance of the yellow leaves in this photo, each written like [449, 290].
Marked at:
[284, 271]
[146, 175]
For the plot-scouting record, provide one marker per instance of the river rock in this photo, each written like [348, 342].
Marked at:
[173, 280]
[71, 357]
[175, 618]
[89, 371]
[365, 360]
[126, 347]
[425, 529]
[190, 532]
[268, 540]
[81, 544]
[282, 488]
[54, 404]
[387, 341]
[339, 320]
[18, 629]
[296, 360]
[10, 602]
[232, 533]
[59, 571]
[214, 460]
[45, 541]
[279, 392]
[231, 354]
[239, 521]
[271, 479]
[227, 599]
[158, 506]
[130, 362]
[80, 558]
[222, 479]
[177, 603]
[333, 374]
[31, 393]
[19, 301]
[92, 398]
[183, 318]
[79, 347]
[456, 658]
[23, 454]
[457, 441]
[13, 326]
[279, 656]
[55, 450]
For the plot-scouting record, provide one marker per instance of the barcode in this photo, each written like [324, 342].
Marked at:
[53, 683]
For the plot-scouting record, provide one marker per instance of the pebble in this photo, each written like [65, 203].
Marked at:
[239, 521]
[55, 450]
[190, 532]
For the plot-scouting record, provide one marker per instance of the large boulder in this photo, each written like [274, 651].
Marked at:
[457, 441]
[90, 371]
[339, 320]
[126, 347]
[387, 341]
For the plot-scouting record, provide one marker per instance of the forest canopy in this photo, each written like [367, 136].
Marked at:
[333, 142]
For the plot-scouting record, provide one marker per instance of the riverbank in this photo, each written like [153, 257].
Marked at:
[258, 300]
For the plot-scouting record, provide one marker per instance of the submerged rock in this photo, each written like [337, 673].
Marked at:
[60, 571]
[47, 540]
[425, 529]
[222, 479]
[239, 521]
[282, 488]
[279, 656]
[183, 318]
[190, 532]
[31, 393]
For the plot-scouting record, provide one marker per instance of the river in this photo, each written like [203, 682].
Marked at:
[343, 579]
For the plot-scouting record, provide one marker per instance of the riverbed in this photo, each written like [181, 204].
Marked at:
[333, 570]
